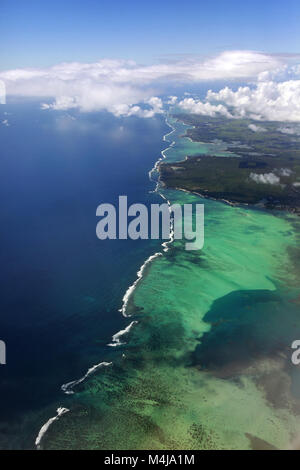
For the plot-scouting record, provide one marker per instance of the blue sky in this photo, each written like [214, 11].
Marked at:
[41, 32]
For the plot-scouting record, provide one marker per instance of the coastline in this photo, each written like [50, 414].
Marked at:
[141, 271]
[258, 206]
[67, 388]
[183, 298]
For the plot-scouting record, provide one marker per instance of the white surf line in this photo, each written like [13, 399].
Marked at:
[68, 387]
[68, 390]
[140, 273]
[130, 289]
[166, 244]
[60, 411]
[116, 338]
[164, 150]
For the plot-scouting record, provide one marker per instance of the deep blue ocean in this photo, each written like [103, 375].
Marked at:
[61, 287]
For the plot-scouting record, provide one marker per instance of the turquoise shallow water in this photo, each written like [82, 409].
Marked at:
[207, 365]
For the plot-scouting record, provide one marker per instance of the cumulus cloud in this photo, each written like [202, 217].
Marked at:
[206, 109]
[2, 92]
[255, 128]
[289, 130]
[286, 130]
[152, 106]
[172, 100]
[271, 178]
[269, 101]
[284, 171]
[121, 86]
[265, 178]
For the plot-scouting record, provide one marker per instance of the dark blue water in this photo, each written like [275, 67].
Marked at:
[61, 287]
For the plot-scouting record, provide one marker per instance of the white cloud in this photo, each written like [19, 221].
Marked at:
[120, 86]
[235, 64]
[172, 100]
[266, 178]
[5, 123]
[206, 109]
[269, 101]
[2, 92]
[284, 172]
[255, 128]
[266, 101]
[295, 130]
[154, 106]
[286, 130]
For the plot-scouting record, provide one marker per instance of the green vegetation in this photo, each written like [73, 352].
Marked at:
[240, 138]
[267, 172]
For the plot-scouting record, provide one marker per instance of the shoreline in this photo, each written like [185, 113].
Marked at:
[141, 271]
[245, 205]
[67, 388]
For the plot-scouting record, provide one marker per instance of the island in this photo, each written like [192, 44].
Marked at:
[262, 167]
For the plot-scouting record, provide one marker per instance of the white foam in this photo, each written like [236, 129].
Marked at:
[154, 169]
[169, 133]
[68, 387]
[165, 246]
[116, 338]
[131, 289]
[60, 411]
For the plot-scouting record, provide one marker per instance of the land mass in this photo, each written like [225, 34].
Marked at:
[265, 169]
